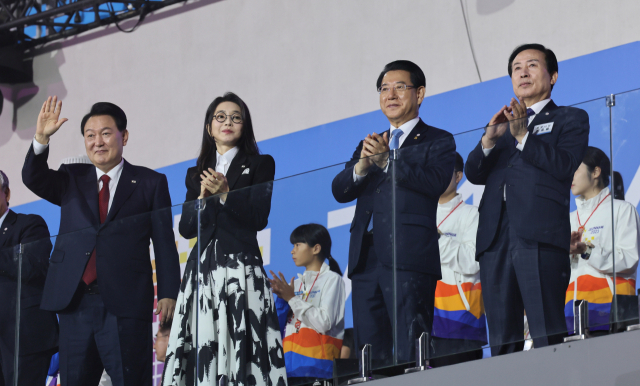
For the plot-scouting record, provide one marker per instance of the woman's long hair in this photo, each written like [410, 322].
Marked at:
[246, 143]
[595, 157]
[313, 234]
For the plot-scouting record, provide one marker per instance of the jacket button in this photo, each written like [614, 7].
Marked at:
[368, 212]
[510, 165]
[378, 190]
[88, 253]
[499, 187]
[346, 190]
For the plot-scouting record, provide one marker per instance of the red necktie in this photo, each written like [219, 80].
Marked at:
[90, 275]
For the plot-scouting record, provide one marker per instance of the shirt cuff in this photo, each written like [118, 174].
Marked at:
[356, 178]
[486, 151]
[520, 146]
[39, 148]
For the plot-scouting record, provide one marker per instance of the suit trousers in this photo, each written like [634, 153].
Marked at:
[517, 275]
[32, 368]
[93, 339]
[373, 305]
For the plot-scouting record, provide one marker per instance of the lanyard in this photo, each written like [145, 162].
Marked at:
[582, 229]
[454, 209]
[308, 293]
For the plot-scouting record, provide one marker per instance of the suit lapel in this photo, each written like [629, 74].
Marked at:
[416, 135]
[88, 185]
[126, 185]
[7, 228]
[238, 165]
[543, 116]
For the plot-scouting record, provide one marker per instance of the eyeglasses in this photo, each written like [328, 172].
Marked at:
[222, 117]
[400, 87]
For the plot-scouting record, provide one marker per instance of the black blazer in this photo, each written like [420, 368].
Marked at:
[538, 179]
[245, 211]
[423, 171]
[140, 212]
[38, 328]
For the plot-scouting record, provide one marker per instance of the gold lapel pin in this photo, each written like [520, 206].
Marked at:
[133, 181]
[546, 114]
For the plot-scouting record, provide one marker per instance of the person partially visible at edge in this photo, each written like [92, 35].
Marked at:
[459, 324]
[38, 328]
[312, 306]
[592, 247]
[238, 324]
[526, 159]
[406, 189]
[110, 212]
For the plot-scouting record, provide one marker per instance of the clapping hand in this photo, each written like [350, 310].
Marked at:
[49, 120]
[375, 149]
[280, 287]
[517, 116]
[213, 183]
[512, 116]
[576, 247]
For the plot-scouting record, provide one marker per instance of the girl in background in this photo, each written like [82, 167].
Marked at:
[314, 306]
[592, 244]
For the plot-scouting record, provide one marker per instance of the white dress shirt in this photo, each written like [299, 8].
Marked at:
[223, 161]
[406, 129]
[114, 173]
[3, 217]
[520, 146]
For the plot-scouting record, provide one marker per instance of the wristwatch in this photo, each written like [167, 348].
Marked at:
[587, 253]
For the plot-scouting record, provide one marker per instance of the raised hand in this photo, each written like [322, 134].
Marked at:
[280, 287]
[517, 119]
[213, 183]
[497, 127]
[49, 120]
[576, 246]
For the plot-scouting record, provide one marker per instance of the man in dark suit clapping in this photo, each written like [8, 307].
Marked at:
[100, 279]
[38, 328]
[526, 160]
[395, 218]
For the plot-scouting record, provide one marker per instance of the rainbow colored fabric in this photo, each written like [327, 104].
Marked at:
[310, 354]
[452, 320]
[596, 291]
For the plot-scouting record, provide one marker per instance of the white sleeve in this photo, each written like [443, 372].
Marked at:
[357, 178]
[39, 148]
[486, 151]
[520, 146]
[328, 313]
[626, 244]
[460, 256]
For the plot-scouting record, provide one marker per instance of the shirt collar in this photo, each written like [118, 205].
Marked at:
[113, 173]
[406, 127]
[3, 217]
[451, 204]
[591, 203]
[323, 269]
[228, 156]
[540, 105]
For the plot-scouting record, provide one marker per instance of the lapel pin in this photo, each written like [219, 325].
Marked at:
[243, 166]
[546, 114]
[133, 181]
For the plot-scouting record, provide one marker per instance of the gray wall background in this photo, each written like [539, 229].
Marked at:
[297, 64]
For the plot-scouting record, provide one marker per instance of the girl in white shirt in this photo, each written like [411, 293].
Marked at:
[315, 319]
[592, 243]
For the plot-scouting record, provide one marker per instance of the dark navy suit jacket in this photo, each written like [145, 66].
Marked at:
[423, 171]
[538, 180]
[140, 212]
[38, 328]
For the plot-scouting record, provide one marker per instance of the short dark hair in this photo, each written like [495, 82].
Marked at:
[459, 166]
[312, 235]
[596, 157]
[417, 76]
[549, 57]
[106, 108]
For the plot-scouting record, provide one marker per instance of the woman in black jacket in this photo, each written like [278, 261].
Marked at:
[238, 331]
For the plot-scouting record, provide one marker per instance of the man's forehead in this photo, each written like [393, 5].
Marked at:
[396, 76]
[528, 56]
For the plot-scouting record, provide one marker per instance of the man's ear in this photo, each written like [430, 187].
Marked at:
[8, 194]
[554, 78]
[125, 137]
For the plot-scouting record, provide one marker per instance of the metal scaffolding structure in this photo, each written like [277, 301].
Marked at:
[29, 23]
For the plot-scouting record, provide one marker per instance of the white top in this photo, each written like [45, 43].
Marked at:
[458, 240]
[598, 233]
[114, 173]
[3, 217]
[537, 107]
[323, 309]
[223, 161]
[406, 129]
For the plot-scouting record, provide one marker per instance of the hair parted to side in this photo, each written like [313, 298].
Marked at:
[247, 142]
[106, 108]
[4, 181]
[595, 157]
[312, 235]
[549, 57]
[459, 165]
[416, 74]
